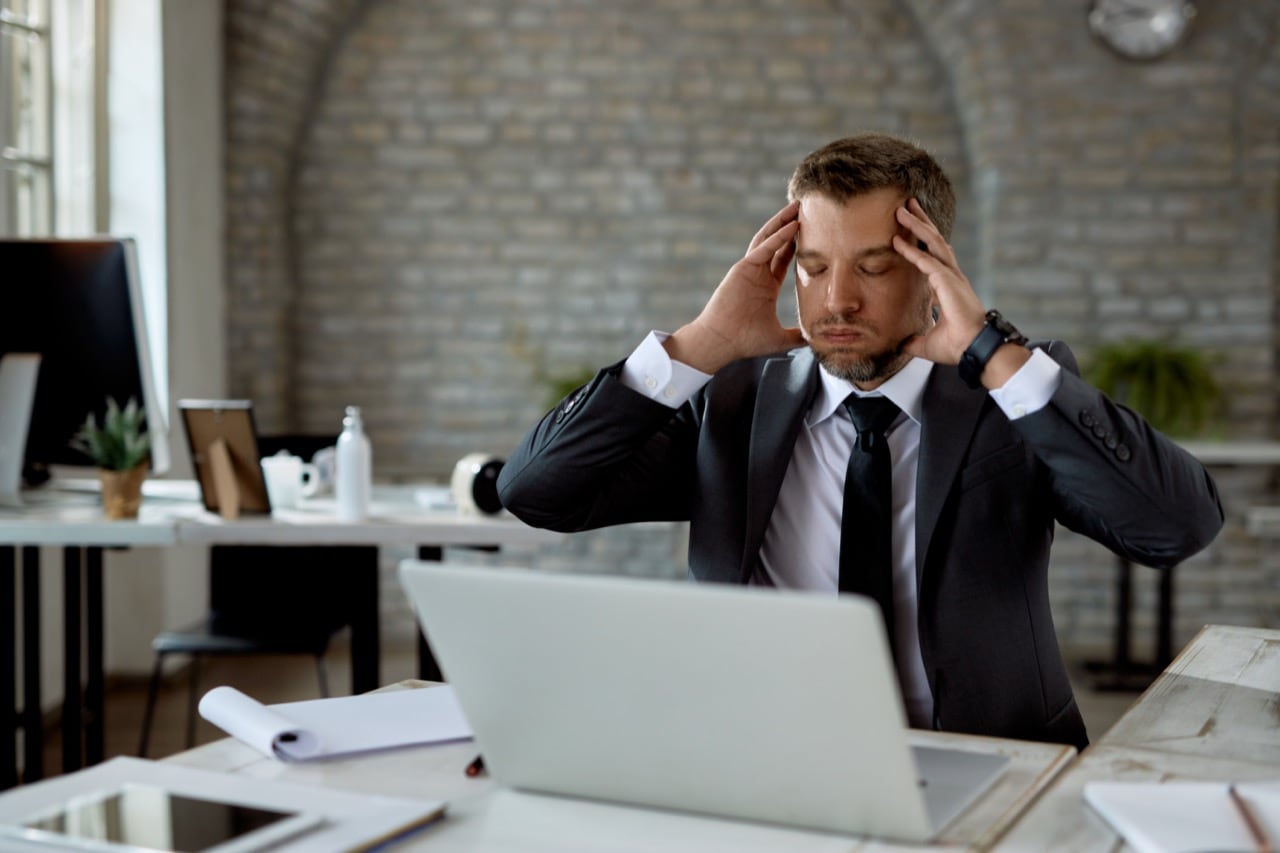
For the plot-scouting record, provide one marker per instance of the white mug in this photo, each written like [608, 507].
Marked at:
[289, 479]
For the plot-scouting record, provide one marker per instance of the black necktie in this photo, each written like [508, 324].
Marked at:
[866, 522]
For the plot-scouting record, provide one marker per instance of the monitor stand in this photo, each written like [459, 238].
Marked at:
[18, 373]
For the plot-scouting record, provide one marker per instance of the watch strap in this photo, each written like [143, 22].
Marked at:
[975, 358]
[996, 332]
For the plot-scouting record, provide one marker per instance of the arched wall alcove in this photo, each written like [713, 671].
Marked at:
[493, 195]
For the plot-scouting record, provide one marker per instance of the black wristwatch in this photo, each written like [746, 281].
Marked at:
[995, 333]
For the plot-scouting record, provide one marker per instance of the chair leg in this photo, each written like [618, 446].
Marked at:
[193, 700]
[153, 689]
[323, 676]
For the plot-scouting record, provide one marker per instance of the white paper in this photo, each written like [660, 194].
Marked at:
[318, 728]
[1173, 817]
[257, 725]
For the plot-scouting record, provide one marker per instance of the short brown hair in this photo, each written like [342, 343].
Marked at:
[860, 164]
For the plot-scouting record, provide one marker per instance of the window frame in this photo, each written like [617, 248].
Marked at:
[26, 158]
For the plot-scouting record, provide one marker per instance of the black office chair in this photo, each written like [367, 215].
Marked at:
[286, 599]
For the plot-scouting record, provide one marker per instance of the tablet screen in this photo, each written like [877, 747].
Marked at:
[146, 817]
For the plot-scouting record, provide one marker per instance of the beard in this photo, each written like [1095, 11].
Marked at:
[844, 363]
[851, 367]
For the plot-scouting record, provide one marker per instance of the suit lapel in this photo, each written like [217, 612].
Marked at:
[787, 387]
[950, 415]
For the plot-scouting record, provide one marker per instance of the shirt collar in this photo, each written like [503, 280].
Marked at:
[905, 388]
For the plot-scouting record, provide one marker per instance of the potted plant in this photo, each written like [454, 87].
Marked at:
[561, 385]
[1171, 386]
[121, 449]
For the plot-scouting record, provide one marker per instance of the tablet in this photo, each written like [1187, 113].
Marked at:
[139, 817]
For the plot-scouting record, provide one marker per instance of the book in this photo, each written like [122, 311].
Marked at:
[343, 725]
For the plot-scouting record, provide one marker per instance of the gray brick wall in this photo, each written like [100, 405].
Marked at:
[495, 194]
[436, 208]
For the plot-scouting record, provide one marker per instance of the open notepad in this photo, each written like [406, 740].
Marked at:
[1171, 817]
[323, 728]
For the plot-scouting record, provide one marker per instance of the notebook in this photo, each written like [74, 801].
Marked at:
[765, 705]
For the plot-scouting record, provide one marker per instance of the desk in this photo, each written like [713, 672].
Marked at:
[1210, 716]
[76, 523]
[485, 816]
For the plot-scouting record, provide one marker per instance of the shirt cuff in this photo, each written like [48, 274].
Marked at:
[650, 371]
[1031, 388]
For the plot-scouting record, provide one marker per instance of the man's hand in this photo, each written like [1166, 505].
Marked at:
[959, 313]
[741, 318]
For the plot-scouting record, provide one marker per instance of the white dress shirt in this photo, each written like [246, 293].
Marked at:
[801, 547]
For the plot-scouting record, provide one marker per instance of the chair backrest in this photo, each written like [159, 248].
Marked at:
[280, 590]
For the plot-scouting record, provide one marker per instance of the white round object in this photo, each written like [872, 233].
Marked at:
[475, 484]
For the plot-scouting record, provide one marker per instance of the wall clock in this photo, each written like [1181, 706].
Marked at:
[1141, 29]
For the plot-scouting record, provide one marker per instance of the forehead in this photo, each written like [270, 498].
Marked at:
[862, 222]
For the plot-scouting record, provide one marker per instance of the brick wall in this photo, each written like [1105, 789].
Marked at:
[276, 53]
[437, 208]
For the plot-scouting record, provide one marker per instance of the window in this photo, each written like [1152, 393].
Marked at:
[26, 168]
[82, 132]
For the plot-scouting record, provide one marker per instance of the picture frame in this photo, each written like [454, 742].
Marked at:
[223, 441]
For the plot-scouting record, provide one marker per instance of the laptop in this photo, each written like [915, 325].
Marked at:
[764, 705]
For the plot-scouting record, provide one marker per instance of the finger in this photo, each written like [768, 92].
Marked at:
[923, 261]
[763, 252]
[919, 224]
[917, 209]
[788, 214]
[782, 260]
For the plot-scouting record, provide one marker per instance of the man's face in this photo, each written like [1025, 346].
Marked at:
[858, 300]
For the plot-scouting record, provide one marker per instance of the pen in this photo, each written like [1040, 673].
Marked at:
[1260, 842]
[476, 767]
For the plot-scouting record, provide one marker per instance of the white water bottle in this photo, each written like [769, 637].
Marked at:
[353, 468]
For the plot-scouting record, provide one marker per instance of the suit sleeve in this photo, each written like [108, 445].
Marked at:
[604, 455]
[1118, 480]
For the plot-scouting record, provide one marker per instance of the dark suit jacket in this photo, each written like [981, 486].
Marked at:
[989, 491]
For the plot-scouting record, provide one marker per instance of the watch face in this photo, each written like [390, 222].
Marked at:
[1140, 29]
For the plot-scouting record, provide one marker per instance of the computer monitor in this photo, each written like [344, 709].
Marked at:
[78, 304]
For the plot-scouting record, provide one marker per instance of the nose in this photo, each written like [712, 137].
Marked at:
[844, 291]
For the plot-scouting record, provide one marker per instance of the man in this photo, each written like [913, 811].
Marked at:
[738, 425]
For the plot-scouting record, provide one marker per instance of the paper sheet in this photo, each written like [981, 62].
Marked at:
[320, 728]
[1172, 817]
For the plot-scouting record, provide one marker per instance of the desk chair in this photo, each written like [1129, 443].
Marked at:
[268, 599]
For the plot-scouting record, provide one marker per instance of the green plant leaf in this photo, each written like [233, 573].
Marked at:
[1172, 387]
[121, 443]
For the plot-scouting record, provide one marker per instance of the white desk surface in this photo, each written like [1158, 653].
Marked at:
[1210, 716]
[75, 518]
[1256, 452]
[484, 816]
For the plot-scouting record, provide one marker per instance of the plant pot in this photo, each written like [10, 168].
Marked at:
[122, 491]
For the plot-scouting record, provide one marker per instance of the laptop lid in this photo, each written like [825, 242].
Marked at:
[765, 705]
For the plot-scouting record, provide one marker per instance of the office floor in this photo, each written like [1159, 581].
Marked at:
[279, 678]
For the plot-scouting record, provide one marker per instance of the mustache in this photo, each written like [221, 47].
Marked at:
[846, 320]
